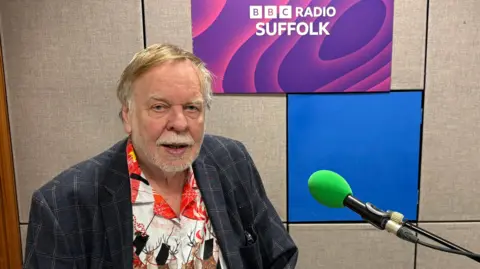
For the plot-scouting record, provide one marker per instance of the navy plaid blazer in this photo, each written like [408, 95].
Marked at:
[83, 217]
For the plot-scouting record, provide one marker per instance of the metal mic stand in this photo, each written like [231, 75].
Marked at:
[379, 219]
[438, 239]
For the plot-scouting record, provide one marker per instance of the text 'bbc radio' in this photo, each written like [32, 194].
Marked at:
[287, 12]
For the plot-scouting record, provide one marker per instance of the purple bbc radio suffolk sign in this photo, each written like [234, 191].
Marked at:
[302, 46]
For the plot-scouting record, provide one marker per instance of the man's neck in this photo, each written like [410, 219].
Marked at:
[168, 185]
[166, 181]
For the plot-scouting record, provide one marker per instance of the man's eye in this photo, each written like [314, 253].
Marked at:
[157, 107]
[193, 108]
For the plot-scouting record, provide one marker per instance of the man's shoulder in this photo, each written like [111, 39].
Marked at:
[221, 146]
[79, 179]
[226, 153]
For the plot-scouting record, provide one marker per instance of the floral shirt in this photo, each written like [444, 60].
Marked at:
[161, 239]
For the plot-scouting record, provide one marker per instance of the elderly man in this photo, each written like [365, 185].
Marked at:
[167, 196]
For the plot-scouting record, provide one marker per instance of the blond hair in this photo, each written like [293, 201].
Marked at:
[155, 55]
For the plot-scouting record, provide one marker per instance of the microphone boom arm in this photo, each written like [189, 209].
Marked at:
[437, 239]
[393, 222]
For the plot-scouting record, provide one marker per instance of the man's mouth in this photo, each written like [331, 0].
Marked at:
[175, 146]
[176, 149]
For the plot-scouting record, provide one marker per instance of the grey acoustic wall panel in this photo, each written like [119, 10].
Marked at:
[451, 147]
[466, 235]
[409, 29]
[23, 235]
[259, 122]
[62, 62]
[350, 246]
[169, 22]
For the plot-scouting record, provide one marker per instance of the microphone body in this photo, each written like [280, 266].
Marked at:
[389, 221]
[368, 212]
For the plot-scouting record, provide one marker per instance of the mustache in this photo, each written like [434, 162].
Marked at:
[175, 139]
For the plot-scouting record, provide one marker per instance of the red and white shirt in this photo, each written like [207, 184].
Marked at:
[162, 239]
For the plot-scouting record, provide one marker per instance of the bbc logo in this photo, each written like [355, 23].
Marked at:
[270, 12]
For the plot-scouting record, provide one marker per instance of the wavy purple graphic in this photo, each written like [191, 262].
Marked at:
[355, 57]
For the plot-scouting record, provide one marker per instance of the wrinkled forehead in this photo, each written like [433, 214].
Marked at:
[175, 82]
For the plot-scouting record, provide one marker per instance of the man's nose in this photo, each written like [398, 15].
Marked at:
[177, 121]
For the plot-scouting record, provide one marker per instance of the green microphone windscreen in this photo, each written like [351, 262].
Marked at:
[329, 188]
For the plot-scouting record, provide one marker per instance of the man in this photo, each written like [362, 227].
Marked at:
[167, 196]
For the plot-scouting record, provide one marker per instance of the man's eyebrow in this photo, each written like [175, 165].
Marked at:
[157, 98]
[197, 102]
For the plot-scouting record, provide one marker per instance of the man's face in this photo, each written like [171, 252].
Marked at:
[166, 116]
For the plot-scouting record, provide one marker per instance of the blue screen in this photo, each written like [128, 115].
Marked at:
[372, 140]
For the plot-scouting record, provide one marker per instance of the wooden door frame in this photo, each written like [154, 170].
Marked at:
[10, 239]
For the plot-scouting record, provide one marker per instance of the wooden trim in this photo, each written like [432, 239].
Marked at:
[10, 240]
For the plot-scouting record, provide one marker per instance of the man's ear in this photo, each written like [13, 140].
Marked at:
[126, 117]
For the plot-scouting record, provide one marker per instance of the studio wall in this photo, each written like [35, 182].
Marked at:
[417, 144]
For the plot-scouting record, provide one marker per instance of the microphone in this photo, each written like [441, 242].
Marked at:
[332, 190]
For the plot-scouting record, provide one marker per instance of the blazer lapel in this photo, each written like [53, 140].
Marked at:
[116, 207]
[210, 187]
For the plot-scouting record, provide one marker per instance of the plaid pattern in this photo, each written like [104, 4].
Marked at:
[83, 217]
